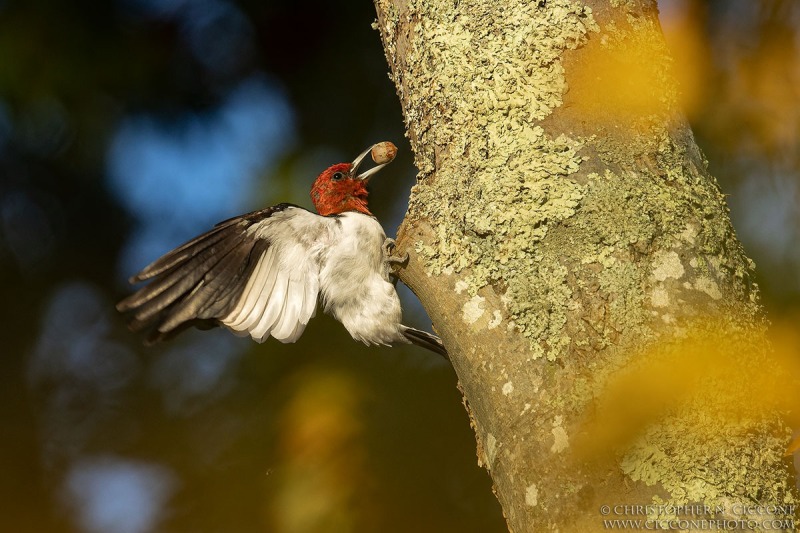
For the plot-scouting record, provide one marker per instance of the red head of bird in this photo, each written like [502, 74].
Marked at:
[339, 188]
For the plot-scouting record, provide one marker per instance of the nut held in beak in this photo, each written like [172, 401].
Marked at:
[384, 152]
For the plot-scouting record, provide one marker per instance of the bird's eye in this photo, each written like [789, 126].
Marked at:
[337, 176]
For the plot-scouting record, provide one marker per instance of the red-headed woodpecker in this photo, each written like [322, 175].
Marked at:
[261, 274]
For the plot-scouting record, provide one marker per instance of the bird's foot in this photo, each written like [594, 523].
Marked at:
[394, 261]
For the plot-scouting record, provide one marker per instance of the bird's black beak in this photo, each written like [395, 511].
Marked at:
[367, 174]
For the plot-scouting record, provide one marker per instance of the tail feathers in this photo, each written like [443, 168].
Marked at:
[424, 339]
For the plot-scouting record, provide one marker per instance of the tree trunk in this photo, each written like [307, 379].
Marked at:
[563, 219]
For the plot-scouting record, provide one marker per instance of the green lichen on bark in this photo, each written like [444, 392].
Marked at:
[487, 80]
[717, 469]
[720, 447]
[673, 214]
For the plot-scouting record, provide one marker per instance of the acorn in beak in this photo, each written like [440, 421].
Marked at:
[382, 153]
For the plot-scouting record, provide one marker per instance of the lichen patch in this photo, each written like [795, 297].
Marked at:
[659, 297]
[667, 265]
[531, 495]
[497, 317]
[560, 437]
[473, 309]
[460, 286]
[491, 450]
[506, 183]
[708, 286]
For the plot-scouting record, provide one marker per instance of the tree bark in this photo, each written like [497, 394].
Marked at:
[563, 219]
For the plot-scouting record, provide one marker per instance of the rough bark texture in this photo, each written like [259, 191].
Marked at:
[563, 218]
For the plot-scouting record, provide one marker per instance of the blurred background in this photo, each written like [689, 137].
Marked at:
[128, 126]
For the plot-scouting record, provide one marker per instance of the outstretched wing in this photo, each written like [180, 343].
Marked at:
[255, 274]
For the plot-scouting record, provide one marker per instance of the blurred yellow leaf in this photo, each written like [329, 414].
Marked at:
[622, 75]
[722, 372]
[688, 44]
[321, 452]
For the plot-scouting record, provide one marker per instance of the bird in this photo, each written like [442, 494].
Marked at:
[264, 273]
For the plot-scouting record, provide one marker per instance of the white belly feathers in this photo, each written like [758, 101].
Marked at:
[354, 284]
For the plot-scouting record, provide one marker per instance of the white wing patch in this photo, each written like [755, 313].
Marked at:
[282, 292]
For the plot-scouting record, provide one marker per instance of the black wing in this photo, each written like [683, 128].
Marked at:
[220, 278]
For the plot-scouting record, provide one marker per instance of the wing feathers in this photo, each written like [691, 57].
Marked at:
[188, 250]
[275, 300]
[230, 293]
[256, 274]
[212, 289]
[251, 306]
[290, 317]
[252, 291]
[175, 282]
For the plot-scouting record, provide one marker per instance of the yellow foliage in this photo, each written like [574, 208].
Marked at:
[719, 371]
[688, 44]
[321, 453]
[748, 90]
[622, 74]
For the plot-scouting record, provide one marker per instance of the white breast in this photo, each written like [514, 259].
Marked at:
[354, 282]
